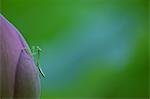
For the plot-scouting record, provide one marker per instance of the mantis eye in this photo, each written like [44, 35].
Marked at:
[38, 48]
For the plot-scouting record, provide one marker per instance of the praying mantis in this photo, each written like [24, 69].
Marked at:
[36, 50]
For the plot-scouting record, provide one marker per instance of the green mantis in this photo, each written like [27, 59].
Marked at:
[36, 52]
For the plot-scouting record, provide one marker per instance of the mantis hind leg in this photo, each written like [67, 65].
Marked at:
[41, 71]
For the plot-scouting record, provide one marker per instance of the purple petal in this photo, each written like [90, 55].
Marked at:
[12, 62]
[26, 83]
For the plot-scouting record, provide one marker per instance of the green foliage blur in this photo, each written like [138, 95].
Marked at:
[91, 48]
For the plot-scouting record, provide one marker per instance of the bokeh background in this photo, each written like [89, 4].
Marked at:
[91, 48]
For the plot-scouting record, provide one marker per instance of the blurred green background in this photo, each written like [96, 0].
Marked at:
[91, 48]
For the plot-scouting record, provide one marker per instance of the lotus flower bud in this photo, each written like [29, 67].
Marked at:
[18, 73]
